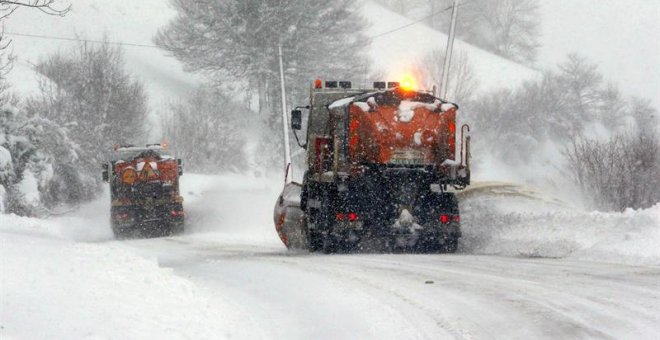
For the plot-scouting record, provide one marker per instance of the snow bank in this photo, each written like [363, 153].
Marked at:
[66, 278]
[89, 222]
[56, 289]
[523, 223]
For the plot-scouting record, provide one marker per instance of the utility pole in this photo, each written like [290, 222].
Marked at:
[288, 176]
[450, 46]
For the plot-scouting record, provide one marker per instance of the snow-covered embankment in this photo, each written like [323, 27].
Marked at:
[510, 220]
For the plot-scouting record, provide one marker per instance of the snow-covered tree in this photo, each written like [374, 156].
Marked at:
[207, 130]
[30, 148]
[88, 92]
[7, 7]
[236, 43]
[621, 172]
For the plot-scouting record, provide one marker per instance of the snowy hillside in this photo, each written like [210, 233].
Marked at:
[621, 37]
[394, 53]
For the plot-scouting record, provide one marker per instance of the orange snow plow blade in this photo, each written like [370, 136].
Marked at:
[289, 218]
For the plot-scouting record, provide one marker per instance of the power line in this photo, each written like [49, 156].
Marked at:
[413, 23]
[80, 40]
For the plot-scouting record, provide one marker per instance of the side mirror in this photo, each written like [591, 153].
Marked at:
[296, 119]
[179, 166]
[104, 173]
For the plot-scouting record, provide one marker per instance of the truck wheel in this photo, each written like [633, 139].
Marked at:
[450, 246]
[315, 241]
[428, 245]
[118, 232]
[178, 228]
[329, 244]
[171, 228]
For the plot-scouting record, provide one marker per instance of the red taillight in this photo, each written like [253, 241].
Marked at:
[177, 213]
[318, 84]
[351, 217]
[452, 127]
[444, 219]
[122, 216]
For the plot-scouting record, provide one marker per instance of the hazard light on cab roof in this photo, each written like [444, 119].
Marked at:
[408, 83]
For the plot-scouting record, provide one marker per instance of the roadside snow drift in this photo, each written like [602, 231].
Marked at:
[511, 220]
[58, 289]
[66, 277]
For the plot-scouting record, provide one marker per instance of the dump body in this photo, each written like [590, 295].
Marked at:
[144, 191]
[410, 133]
[393, 129]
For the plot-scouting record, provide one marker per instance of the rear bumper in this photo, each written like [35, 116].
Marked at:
[147, 216]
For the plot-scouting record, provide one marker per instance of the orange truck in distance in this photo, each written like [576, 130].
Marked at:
[144, 191]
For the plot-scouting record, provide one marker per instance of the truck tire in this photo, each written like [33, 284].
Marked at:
[450, 207]
[315, 241]
[329, 244]
[450, 246]
[118, 232]
[173, 228]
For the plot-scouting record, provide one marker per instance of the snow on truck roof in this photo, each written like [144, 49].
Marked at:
[131, 152]
[418, 99]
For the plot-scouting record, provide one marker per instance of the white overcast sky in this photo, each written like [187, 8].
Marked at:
[621, 36]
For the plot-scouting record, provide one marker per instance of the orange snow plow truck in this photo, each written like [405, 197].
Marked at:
[144, 191]
[380, 172]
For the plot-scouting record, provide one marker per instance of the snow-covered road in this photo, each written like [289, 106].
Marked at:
[228, 276]
[368, 296]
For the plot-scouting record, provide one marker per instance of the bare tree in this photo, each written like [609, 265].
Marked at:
[645, 116]
[582, 82]
[623, 172]
[463, 81]
[207, 131]
[557, 108]
[7, 7]
[509, 28]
